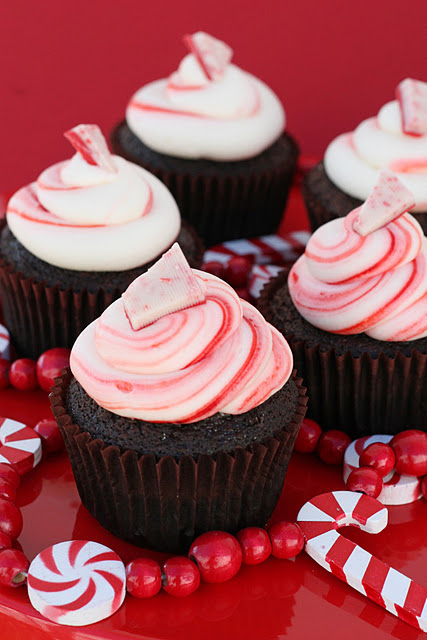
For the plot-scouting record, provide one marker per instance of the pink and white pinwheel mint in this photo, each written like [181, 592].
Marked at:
[219, 355]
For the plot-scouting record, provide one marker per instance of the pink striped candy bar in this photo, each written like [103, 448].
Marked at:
[412, 97]
[20, 447]
[88, 140]
[319, 520]
[260, 275]
[4, 343]
[77, 582]
[397, 489]
[212, 54]
[168, 286]
[263, 250]
[386, 202]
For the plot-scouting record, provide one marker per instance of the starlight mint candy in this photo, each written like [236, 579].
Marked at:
[186, 385]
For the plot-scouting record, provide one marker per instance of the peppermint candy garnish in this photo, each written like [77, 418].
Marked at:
[212, 55]
[168, 286]
[412, 97]
[87, 139]
[386, 202]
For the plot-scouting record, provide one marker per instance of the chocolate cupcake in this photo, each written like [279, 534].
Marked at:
[353, 309]
[77, 237]
[395, 139]
[196, 434]
[214, 134]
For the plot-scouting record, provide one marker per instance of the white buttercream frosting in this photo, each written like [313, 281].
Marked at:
[233, 117]
[354, 160]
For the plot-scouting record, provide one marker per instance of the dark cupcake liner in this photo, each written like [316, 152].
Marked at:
[325, 202]
[361, 395]
[164, 503]
[241, 203]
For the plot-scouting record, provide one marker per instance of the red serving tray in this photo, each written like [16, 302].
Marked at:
[295, 599]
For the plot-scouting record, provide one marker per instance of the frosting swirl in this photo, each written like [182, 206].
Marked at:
[349, 284]
[79, 216]
[219, 356]
[231, 116]
[353, 160]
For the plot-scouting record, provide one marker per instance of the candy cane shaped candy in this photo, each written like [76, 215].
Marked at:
[319, 520]
[259, 275]
[270, 249]
[397, 489]
[88, 140]
[20, 447]
[4, 343]
[77, 582]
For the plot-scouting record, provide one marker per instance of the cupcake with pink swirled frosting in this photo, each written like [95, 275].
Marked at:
[75, 239]
[215, 135]
[354, 309]
[182, 386]
[395, 139]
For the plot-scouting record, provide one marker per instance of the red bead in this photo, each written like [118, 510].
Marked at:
[13, 568]
[256, 545]
[423, 487]
[4, 373]
[287, 539]
[308, 436]
[332, 445]
[10, 518]
[180, 577]
[5, 541]
[143, 578]
[50, 365]
[7, 472]
[7, 490]
[50, 435]
[237, 271]
[366, 480]
[217, 554]
[379, 456]
[243, 293]
[410, 448]
[22, 375]
[215, 268]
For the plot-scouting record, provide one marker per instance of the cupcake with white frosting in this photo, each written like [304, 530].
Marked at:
[395, 139]
[354, 310]
[214, 134]
[75, 239]
[182, 410]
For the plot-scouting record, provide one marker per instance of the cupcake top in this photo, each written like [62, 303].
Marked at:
[180, 346]
[395, 139]
[208, 108]
[367, 272]
[94, 212]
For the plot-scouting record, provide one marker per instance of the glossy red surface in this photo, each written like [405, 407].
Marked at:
[279, 598]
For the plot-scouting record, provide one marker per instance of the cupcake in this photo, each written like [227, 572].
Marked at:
[395, 139]
[77, 237]
[214, 134]
[181, 410]
[354, 310]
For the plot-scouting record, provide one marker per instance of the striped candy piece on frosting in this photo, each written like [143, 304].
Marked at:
[319, 520]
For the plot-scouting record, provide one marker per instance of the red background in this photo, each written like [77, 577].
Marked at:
[331, 62]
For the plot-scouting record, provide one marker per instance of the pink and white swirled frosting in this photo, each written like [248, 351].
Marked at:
[219, 356]
[82, 217]
[377, 284]
[232, 116]
[354, 160]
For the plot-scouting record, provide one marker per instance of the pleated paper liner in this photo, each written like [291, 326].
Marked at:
[164, 503]
[222, 200]
[324, 201]
[40, 316]
[360, 394]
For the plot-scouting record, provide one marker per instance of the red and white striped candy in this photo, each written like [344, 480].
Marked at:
[412, 97]
[212, 54]
[259, 275]
[88, 140]
[319, 520]
[4, 343]
[263, 250]
[20, 447]
[77, 582]
[397, 489]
